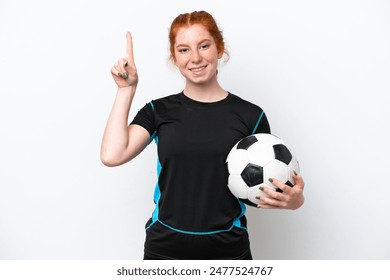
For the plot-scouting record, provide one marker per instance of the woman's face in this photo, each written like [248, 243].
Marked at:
[196, 54]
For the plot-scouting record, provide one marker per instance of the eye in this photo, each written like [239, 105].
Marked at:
[183, 50]
[204, 47]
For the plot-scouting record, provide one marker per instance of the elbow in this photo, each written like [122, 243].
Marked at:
[113, 159]
[108, 160]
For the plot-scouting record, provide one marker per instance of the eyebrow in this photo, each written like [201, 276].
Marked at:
[201, 42]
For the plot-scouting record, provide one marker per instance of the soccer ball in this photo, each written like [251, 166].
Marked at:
[255, 159]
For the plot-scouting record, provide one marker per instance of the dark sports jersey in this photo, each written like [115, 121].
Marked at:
[196, 216]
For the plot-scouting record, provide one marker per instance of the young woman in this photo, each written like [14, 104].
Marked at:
[196, 216]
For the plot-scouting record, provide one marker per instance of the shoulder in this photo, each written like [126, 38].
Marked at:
[243, 104]
[253, 115]
[166, 99]
[165, 102]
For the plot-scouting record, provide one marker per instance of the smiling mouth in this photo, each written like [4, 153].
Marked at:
[198, 69]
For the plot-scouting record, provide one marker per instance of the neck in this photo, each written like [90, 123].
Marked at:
[205, 92]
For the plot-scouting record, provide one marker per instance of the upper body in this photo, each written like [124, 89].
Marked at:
[193, 140]
[195, 130]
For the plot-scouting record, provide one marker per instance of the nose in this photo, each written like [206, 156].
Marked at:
[196, 57]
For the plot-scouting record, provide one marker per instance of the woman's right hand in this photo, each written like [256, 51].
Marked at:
[124, 71]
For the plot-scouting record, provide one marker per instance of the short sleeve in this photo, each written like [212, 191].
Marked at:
[145, 118]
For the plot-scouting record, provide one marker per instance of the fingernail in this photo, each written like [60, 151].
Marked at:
[125, 75]
[126, 64]
[119, 74]
[257, 197]
[261, 188]
[295, 173]
[271, 180]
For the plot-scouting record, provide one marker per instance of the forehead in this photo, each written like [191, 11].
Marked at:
[192, 34]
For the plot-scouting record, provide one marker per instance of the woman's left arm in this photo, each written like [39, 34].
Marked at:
[291, 198]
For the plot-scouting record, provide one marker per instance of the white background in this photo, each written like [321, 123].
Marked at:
[320, 70]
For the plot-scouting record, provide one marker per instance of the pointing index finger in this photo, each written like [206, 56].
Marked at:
[129, 48]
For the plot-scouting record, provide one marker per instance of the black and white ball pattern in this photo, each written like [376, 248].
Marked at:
[255, 159]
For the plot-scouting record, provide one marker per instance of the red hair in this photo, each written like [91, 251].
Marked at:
[203, 18]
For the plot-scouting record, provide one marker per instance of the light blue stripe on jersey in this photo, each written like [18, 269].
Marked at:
[258, 122]
[237, 221]
[152, 105]
[197, 232]
[157, 192]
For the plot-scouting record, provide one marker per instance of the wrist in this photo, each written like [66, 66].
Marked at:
[127, 89]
